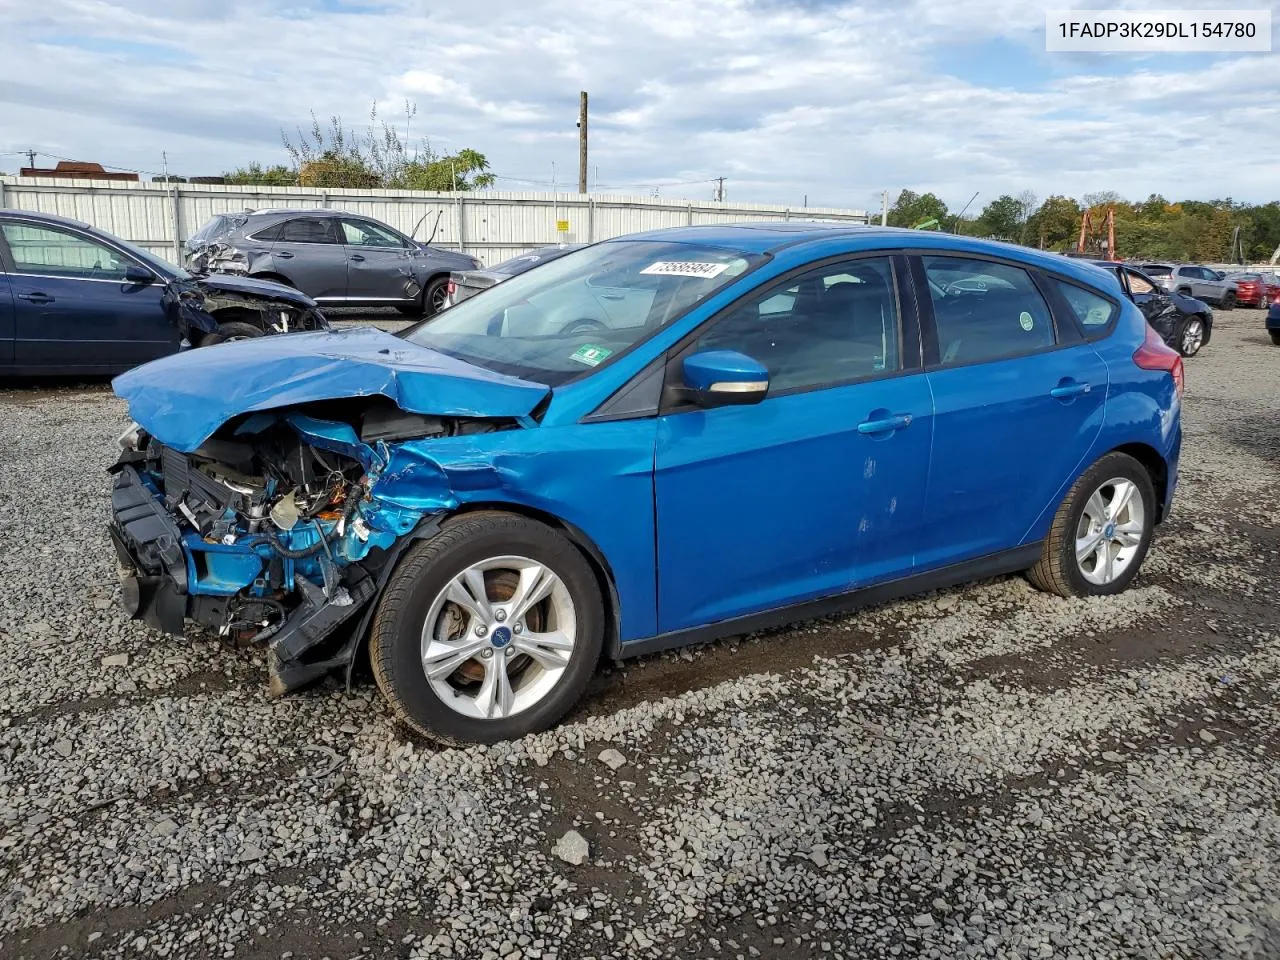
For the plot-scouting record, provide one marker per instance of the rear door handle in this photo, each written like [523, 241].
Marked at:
[36, 297]
[611, 296]
[357, 258]
[885, 424]
[284, 255]
[1069, 388]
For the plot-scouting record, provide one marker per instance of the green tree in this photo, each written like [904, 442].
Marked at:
[465, 170]
[1055, 224]
[911, 208]
[1002, 218]
[277, 175]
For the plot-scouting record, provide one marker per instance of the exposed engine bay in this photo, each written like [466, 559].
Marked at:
[272, 531]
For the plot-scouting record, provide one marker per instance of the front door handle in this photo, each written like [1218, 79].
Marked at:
[36, 297]
[357, 258]
[1068, 388]
[283, 255]
[895, 421]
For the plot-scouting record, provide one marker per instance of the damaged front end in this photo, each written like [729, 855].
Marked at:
[274, 530]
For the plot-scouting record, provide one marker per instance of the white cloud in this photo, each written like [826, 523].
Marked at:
[787, 98]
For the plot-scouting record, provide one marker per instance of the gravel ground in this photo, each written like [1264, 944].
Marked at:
[986, 771]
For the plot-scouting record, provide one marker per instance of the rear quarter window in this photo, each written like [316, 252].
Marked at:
[1094, 311]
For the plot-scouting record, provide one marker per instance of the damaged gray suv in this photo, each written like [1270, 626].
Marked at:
[341, 259]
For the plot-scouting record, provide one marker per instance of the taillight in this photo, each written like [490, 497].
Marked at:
[1155, 354]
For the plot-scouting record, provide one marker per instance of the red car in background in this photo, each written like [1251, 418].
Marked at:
[1256, 289]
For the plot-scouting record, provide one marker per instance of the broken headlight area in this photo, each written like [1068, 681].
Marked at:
[270, 533]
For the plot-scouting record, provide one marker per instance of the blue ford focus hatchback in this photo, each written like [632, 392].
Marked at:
[649, 442]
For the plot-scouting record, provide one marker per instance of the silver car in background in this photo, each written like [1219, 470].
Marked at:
[337, 258]
[1193, 280]
[467, 283]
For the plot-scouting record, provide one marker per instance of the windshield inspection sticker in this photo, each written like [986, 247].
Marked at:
[1026, 321]
[590, 354]
[686, 268]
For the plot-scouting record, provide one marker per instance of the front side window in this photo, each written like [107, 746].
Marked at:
[306, 230]
[575, 313]
[362, 233]
[835, 324]
[986, 311]
[1093, 311]
[53, 252]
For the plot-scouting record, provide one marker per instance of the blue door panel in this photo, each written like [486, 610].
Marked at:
[62, 320]
[767, 505]
[1003, 446]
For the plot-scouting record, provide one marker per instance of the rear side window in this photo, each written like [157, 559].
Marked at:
[986, 311]
[267, 234]
[1156, 270]
[1094, 312]
[306, 230]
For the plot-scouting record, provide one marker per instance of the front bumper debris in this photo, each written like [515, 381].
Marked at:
[165, 577]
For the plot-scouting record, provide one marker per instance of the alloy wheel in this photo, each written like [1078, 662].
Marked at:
[1192, 337]
[498, 637]
[1110, 530]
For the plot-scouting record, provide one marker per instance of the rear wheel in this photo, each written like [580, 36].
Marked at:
[229, 331]
[1191, 337]
[1101, 532]
[489, 631]
[435, 295]
[1275, 337]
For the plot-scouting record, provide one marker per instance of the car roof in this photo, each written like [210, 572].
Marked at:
[772, 236]
[292, 212]
[52, 219]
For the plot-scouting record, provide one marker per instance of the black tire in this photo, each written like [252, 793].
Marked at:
[425, 570]
[1187, 345]
[434, 296]
[231, 330]
[1228, 301]
[1275, 337]
[1058, 571]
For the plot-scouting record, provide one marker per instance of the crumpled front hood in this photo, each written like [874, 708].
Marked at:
[182, 399]
[252, 286]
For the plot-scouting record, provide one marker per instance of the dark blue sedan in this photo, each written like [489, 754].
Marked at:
[649, 442]
[76, 300]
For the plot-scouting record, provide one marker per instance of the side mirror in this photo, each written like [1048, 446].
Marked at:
[717, 378]
[140, 276]
[1220, 275]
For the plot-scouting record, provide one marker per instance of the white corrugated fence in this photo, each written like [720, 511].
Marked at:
[488, 225]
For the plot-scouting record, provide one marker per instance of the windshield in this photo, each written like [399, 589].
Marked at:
[580, 310]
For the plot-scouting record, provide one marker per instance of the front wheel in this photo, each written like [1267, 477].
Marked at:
[229, 331]
[1100, 533]
[1192, 337]
[488, 631]
[1228, 301]
[1275, 337]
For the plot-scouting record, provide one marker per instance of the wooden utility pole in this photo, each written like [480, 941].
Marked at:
[582, 142]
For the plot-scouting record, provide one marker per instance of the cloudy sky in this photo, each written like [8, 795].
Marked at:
[787, 99]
